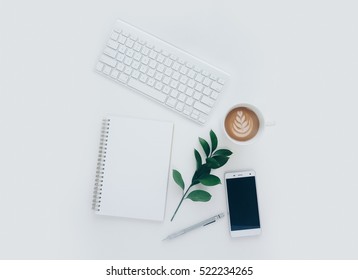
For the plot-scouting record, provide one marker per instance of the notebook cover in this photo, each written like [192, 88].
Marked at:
[135, 168]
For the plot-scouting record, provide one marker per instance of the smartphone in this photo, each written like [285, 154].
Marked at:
[242, 203]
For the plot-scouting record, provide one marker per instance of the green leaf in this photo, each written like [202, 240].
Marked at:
[198, 159]
[205, 146]
[214, 141]
[212, 163]
[210, 180]
[221, 160]
[202, 171]
[223, 152]
[199, 195]
[178, 179]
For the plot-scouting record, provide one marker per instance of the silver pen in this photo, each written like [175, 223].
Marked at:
[198, 225]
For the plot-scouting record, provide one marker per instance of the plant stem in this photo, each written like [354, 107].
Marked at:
[181, 201]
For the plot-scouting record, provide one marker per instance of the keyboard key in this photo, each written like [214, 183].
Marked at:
[176, 75]
[183, 70]
[107, 70]
[199, 78]
[99, 66]
[191, 83]
[199, 87]
[151, 82]
[174, 84]
[128, 61]
[158, 86]
[158, 76]
[145, 60]
[112, 44]
[160, 68]
[160, 58]
[213, 77]
[205, 73]
[120, 57]
[122, 39]
[216, 86]
[182, 97]
[195, 115]
[122, 49]
[137, 56]
[143, 68]
[143, 78]
[189, 92]
[171, 102]
[147, 90]
[202, 119]
[207, 81]
[207, 91]
[214, 95]
[151, 72]
[179, 106]
[183, 79]
[221, 81]
[166, 89]
[153, 63]
[137, 46]
[166, 80]
[114, 36]
[182, 88]
[202, 107]
[145, 50]
[208, 101]
[168, 72]
[174, 93]
[191, 74]
[110, 52]
[197, 95]
[135, 65]
[123, 78]
[128, 70]
[114, 74]
[189, 101]
[153, 54]
[176, 66]
[129, 43]
[168, 62]
[135, 74]
[129, 52]
[187, 110]
[108, 60]
[120, 66]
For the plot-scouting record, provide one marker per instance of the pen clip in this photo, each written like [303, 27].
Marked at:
[209, 223]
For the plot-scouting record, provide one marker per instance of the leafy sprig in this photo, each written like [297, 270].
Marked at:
[214, 159]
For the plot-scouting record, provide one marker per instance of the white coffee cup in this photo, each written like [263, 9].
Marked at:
[254, 118]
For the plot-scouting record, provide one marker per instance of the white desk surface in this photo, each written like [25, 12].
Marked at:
[295, 60]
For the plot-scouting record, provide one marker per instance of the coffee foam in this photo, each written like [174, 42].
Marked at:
[242, 124]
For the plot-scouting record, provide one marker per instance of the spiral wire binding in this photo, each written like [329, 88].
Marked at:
[97, 193]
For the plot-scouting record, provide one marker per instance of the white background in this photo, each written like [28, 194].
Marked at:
[295, 60]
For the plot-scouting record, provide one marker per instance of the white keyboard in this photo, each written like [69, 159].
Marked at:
[161, 71]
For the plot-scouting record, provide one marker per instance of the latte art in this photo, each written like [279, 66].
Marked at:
[242, 124]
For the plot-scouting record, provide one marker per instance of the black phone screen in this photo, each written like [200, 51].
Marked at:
[243, 206]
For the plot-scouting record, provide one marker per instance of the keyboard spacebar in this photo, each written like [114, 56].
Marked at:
[147, 90]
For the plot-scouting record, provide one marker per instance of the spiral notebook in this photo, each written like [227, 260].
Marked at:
[133, 168]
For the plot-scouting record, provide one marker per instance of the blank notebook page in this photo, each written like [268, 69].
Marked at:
[136, 168]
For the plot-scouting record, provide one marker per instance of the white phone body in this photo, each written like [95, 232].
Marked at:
[242, 203]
